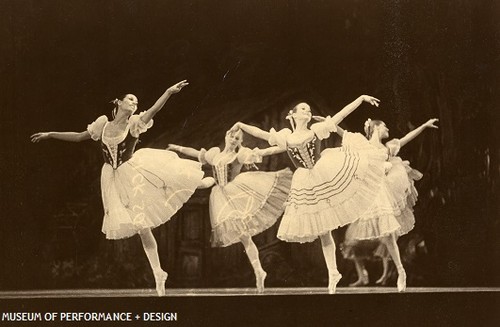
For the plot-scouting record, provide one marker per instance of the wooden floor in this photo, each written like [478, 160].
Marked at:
[210, 292]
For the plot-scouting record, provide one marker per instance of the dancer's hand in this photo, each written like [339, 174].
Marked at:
[37, 137]
[236, 127]
[371, 100]
[430, 123]
[176, 88]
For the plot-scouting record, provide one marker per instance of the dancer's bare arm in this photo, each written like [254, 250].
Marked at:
[339, 116]
[270, 151]
[62, 136]
[176, 88]
[416, 132]
[191, 152]
[252, 130]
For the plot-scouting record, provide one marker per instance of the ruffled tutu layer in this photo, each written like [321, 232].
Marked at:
[400, 182]
[378, 221]
[401, 185]
[248, 205]
[335, 192]
[146, 191]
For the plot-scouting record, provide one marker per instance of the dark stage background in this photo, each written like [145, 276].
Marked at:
[62, 61]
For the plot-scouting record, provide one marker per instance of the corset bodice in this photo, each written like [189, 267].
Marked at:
[119, 153]
[225, 173]
[306, 154]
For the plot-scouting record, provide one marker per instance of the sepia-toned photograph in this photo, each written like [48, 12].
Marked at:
[249, 162]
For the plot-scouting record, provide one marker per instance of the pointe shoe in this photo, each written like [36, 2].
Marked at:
[382, 280]
[160, 279]
[260, 277]
[362, 280]
[401, 280]
[333, 280]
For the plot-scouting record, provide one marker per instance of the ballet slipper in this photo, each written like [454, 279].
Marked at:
[362, 280]
[260, 277]
[333, 279]
[401, 280]
[382, 280]
[160, 279]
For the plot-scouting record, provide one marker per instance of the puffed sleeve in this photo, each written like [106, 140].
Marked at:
[208, 156]
[96, 127]
[279, 138]
[393, 146]
[137, 126]
[324, 128]
[248, 157]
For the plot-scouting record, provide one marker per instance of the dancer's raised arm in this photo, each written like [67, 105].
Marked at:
[176, 88]
[411, 135]
[184, 150]
[252, 130]
[339, 116]
[63, 136]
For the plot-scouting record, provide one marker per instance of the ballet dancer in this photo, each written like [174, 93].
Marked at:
[138, 192]
[242, 204]
[330, 188]
[392, 213]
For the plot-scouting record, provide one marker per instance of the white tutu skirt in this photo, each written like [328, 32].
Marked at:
[146, 191]
[378, 221]
[335, 192]
[248, 205]
[401, 184]
[392, 210]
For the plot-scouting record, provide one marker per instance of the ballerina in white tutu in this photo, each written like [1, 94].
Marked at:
[392, 213]
[242, 204]
[330, 188]
[138, 192]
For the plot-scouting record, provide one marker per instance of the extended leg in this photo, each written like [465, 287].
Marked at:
[151, 249]
[385, 273]
[253, 255]
[392, 247]
[328, 246]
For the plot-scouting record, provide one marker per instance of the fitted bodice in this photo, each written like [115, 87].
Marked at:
[306, 154]
[225, 172]
[117, 150]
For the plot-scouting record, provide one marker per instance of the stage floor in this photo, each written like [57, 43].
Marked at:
[210, 292]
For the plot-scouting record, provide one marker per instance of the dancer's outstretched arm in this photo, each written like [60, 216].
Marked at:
[176, 88]
[270, 151]
[339, 116]
[411, 135]
[184, 150]
[252, 130]
[62, 136]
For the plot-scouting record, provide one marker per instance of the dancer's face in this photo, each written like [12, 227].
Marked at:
[234, 139]
[302, 111]
[128, 104]
[383, 131]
